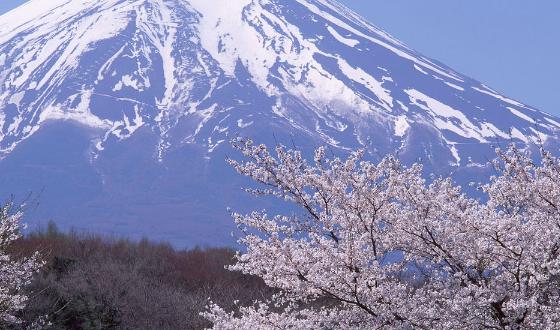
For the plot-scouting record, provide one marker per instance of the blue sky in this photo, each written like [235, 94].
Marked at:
[6, 5]
[511, 45]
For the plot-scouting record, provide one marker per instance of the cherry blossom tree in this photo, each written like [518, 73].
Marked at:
[15, 273]
[378, 246]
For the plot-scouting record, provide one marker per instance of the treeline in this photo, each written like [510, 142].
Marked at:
[95, 282]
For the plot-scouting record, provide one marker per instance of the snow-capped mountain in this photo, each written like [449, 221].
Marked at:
[117, 113]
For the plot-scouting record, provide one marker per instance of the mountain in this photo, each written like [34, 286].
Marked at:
[116, 114]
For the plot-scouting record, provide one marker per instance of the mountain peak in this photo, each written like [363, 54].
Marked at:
[179, 78]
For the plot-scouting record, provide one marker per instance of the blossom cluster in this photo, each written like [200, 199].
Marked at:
[376, 245]
[15, 272]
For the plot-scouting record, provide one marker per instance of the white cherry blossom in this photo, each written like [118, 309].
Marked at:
[377, 246]
[15, 272]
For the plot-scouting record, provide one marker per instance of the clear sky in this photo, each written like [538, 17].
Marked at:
[6, 5]
[511, 45]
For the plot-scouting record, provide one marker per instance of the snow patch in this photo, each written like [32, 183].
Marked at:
[500, 97]
[521, 115]
[455, 153]
[515, 133]
[457, 87]
[440, 110]
[401, 126]
[362, 77]
[81, 114]
[16, 98]
[553, 122]
[420, 69]
[242, 124]
[348, 42]
[403, 106]
[130, 81]
[490, 130]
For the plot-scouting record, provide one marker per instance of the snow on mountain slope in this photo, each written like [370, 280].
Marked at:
[157, 87]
